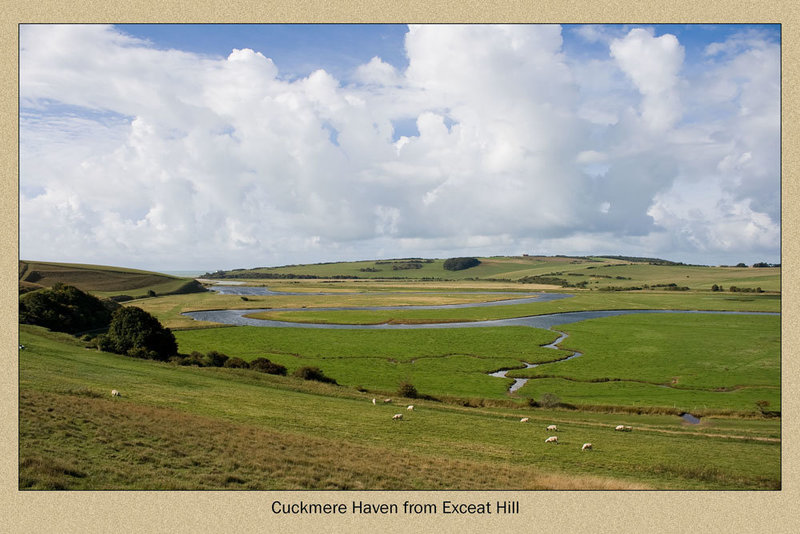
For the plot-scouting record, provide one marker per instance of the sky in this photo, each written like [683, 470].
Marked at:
[204, 147]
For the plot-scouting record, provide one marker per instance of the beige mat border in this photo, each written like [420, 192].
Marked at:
[143, 511]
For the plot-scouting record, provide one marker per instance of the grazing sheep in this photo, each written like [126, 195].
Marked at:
[387, 401]
[115, 393]
[586, 447]
[524, 420]
[552, 439]
[374, 401]
[554, 428]
[410, 408]
[397, 416]
[621, 428]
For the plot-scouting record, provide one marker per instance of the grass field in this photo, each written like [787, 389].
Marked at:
[194, 428]
[699, 363]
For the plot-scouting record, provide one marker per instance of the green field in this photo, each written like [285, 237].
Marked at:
[596, 272]
[179, 427]
[190, 428]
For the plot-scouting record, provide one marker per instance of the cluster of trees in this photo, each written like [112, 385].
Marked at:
[549, 279]
[64, 308]
[459, 264]
[734, 289]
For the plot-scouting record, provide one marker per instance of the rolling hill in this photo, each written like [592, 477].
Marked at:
[103, 281]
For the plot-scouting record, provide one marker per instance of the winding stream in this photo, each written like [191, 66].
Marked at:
[546, 322]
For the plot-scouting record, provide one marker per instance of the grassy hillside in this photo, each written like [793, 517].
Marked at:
[102, 281]
[596, 273]
[203, 428]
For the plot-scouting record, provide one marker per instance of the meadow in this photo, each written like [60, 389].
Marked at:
[184, 427]
[208, 428]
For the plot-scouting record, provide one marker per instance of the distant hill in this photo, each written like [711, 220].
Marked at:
[114, 282]
[615, 273]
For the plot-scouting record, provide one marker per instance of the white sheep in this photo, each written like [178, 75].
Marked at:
[115, 393]
[524, 420]
[552, 439]
[586, 447]
[387, 401]
[620, 428]
[374, 401]
[554, 428]
[410, 408]
[397, 416]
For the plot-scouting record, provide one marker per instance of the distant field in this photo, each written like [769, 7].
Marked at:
[189, 428]
[580, 301]
[596, 272]
[100, 280]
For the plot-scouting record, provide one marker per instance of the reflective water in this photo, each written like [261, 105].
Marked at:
[690, 418]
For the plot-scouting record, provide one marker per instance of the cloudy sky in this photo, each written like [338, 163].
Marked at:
[205, 147]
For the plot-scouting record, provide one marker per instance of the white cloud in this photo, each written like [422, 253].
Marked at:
[189, 161]
[653, 63]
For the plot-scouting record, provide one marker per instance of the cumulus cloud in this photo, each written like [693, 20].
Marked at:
[161, 158]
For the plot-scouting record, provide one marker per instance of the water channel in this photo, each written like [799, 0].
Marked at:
[547, 321]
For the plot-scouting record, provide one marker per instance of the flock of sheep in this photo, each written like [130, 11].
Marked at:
[410, 408]
[551, 428]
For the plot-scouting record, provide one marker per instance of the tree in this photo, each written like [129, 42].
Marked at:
[133, 331]
[459, 264]
[63, 308]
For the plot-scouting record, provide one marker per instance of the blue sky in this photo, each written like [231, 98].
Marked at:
[223, 146]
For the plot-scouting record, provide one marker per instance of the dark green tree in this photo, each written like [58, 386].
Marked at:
[459, 264]
[63, 308]
[133, 331]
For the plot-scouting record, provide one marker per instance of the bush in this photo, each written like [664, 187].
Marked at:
[266, 366]
[195, 358]
[407, 390]
[313, 373]
[215, 359]
[459, 264]
[63, 308]
[236, 363]
[133, 328]
[549, 400]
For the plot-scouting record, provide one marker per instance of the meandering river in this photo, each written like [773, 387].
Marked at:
[547, 321]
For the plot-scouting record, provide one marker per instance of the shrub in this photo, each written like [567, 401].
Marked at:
[236, 363]
[549, 400]
[459, 264]
[215, 359]
[132, 328]
[195, 358]
[266, 366]
[313, 373]
[407, 390]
